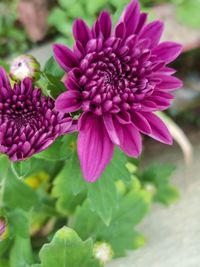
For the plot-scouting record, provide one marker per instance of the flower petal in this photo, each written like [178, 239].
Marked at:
[169, 83]
[153, 32]
[81, 32]
[140, 122]
[130, 17]
[167, 51]
[141, 22]
[110, 127]
[105, 24]
[4, 81]
[120, 30]
[69, 101]
[132, 142]
[159, 130]
[95, 148]
[65, 57]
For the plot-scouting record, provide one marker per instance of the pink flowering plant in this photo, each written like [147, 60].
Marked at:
[71, 138]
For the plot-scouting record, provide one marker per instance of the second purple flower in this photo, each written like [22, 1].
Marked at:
[118, 79]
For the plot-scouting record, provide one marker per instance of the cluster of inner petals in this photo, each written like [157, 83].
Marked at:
[28, 122]
[114, 75]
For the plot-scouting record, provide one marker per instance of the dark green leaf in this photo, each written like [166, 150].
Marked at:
[119, 233]
[54, 86]
[21, 168]
[17, 194]
[52, 68]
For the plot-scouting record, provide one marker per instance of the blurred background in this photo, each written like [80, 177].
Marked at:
[32, 25]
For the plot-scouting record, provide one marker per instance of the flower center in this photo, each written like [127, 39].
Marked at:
[115, 78]
[20, 111]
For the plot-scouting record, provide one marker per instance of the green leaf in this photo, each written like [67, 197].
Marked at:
[21, 168]
[102, 194]
[158, 178]
[119, 233]
[52, 68]
[4, 65]
[158, 174]
[54, 86]
[66, 202]
[4, 165]
[21, 252]
[67, 250]
[58, 19]
[4, 246]
[4, 262]
[167, 194]
[17, 194]
[103, 198]
[58, 151]
[77, 181]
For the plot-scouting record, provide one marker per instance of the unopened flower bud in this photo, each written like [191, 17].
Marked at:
[3, 228]
[25, 66]
[150, 188]
[103, 252]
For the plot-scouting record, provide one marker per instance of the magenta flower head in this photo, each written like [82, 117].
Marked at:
[118, 78]
[29, 122]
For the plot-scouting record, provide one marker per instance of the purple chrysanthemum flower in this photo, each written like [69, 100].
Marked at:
[118, 79]
[29, 122]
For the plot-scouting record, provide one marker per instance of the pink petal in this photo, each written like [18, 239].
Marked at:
[65, 57]
[4, 81]
[120, 30]
[131, 143]
[81, 32]
[105, 24]
[167, 71]
[159, 130]
[95, 148]
[161, 102]
[153, 32]
[130, 17]
[123, 117]
[141, 22]
[69, 101]
[71, 84]
[167, 51]
[110, 127]
[169, 82]
[140, 122]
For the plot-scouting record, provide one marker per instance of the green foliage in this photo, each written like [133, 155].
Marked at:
[119, 233]
[156, 178]
[21, 251]
[17, 194]
[52, 68]
[67, 250]
[67, 202]
[13, 38]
